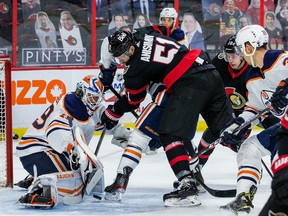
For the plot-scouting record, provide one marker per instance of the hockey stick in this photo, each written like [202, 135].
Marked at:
[267, 169]
[244, 125]
[100, 140]
[79, 140]
[119, 96]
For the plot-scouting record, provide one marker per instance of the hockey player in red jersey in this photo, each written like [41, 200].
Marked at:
[190, 80]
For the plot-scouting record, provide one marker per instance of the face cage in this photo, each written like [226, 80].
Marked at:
[92, 99]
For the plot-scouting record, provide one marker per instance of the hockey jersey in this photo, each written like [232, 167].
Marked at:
[51, 131]
[234, 82]
[159, 59]
[262, 83]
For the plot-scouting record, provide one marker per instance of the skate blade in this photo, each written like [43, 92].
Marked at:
[35, 205]
[117, 196]
[187, 202]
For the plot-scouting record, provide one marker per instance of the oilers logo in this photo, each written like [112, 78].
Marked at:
[265, 98]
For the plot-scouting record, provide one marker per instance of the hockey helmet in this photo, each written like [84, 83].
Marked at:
[256, 35]
[231, 47]
[120, 42]
[91, 91]
[168, 12]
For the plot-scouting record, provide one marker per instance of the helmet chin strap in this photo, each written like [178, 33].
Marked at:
[251, 57]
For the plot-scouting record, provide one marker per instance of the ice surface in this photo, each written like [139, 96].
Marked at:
[150, 180]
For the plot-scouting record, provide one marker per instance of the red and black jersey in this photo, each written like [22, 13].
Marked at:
[156, 58]
[234, 82]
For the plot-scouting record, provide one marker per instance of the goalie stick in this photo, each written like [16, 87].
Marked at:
[79, 140]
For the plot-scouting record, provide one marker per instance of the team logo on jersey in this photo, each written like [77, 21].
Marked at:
[271, 213]
[3, 8]
[265, 98]
[71, 40]
[237, 100]
[220, 55]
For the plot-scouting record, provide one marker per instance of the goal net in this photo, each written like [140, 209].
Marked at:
[6, 143]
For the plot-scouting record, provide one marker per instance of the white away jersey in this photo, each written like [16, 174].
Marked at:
[52, 131]
[262, 83]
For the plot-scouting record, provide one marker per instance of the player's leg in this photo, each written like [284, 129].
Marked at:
[249, 168]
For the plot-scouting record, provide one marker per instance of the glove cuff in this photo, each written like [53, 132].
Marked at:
[280, 163]
[112, 115]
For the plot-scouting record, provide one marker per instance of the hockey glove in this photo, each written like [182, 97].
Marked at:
[154, 144]
[280, 180]
[107, 76]
[278, 99]
[236, 138]
[73, 156]
[110, 118]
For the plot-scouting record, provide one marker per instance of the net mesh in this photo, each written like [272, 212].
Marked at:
[3, 149]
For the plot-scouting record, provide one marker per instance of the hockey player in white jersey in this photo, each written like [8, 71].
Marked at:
[267, 85]
[48, 151]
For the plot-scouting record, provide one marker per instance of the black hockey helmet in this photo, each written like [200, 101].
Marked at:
[120, 42]
[231, 47]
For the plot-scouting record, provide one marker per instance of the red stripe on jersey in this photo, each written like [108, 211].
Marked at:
[181, 68]
[135, 102]
[156, 28]
[178, 159]
[137, 91]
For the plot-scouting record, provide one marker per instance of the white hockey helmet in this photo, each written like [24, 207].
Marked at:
[92, 92]
[256, 35]
[168, 12]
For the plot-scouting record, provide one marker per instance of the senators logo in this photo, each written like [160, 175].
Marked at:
[72, 41]
[4, 8]
[237, 100]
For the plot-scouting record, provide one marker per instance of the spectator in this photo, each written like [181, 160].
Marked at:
[275, 33]
[141, 21]
[117, 22]
[242, 22]
[282, 17]
[229, 17]
[30, 8]
[192, 30]
[45, 31]
[70, 33]
[253, 12]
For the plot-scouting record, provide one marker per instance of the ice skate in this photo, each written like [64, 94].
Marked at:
[114, 191]
[197, 175]
[186, 194]
[242, 204]
[39, 197]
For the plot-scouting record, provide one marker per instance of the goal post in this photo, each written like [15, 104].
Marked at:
[6, 142]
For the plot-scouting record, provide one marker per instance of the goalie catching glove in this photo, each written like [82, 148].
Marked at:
[278, 99]
[110, 118]
[233, 138]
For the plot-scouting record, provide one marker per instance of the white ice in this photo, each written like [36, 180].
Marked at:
[150, 180]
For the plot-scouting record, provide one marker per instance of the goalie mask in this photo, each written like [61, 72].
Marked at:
[231, 50]
[120, 42]
[91, 91]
